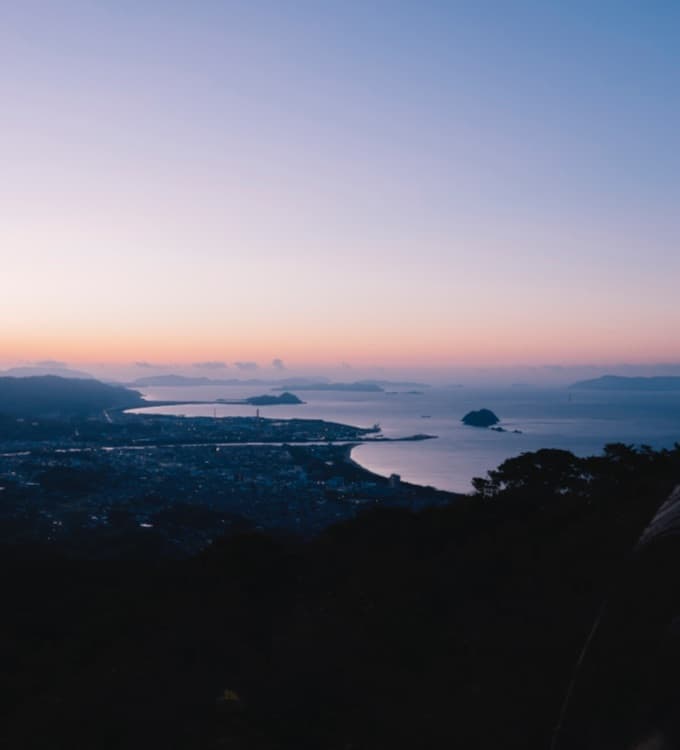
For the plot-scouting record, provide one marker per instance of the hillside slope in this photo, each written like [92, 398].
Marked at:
[53, 396]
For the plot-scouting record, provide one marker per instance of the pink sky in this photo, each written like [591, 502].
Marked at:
[412, 190]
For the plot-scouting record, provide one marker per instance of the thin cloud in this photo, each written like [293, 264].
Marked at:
[246, 365]
[210, 365]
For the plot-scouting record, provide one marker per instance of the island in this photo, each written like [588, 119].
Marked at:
[480, 418]
[286, 398]
[265, 399]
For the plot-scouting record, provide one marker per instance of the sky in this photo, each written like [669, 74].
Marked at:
[370, 184]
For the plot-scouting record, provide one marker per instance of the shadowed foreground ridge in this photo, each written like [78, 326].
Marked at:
[625, 692]
[452, 627]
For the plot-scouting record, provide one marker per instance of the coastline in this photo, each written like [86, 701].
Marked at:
[362, 436]
[370, 476]
[134, 411]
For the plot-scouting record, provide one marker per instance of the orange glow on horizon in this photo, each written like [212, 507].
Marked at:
[387, 349]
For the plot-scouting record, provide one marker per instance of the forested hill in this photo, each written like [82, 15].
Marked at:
[53, 396]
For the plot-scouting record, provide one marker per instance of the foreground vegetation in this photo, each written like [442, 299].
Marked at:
[452, 627]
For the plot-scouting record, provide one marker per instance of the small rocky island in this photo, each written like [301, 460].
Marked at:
[481, 418]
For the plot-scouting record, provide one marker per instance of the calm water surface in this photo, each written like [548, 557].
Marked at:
[579, 421]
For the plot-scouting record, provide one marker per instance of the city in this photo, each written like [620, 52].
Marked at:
[158, 485]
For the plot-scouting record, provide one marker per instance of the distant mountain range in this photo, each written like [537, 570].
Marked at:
[317, 383]
[179, 381]
[620, 383]
[51, 396]
[307, 384]
[37, 370]
[362, 386]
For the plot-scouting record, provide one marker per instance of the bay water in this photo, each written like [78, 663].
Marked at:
[579, 421]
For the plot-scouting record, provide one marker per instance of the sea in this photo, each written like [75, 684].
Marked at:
[576, 420]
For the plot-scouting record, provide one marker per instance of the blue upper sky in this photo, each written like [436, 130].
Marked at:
[467, 182]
